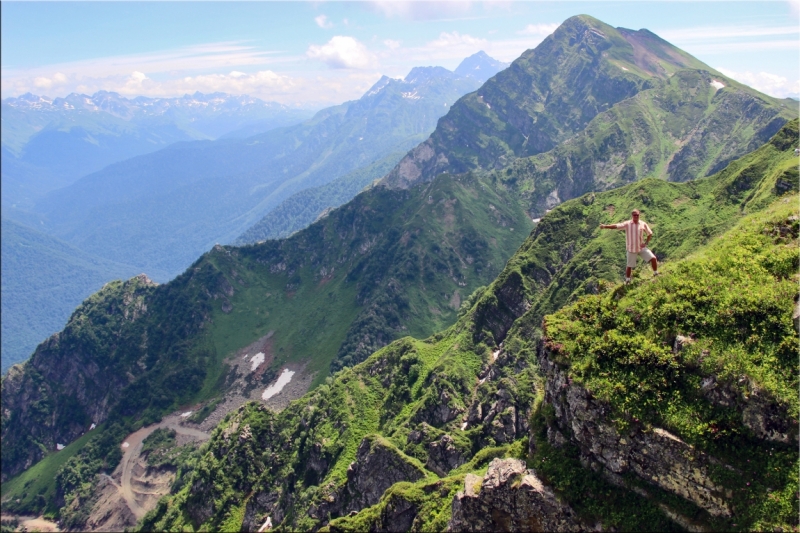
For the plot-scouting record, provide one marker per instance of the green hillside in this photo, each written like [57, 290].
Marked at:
[419, 415]
[681, 129]
[386, 264]
[617, 89]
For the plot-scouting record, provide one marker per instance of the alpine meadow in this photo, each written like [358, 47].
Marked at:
[400, 312]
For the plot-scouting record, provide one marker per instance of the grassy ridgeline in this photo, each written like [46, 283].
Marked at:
[567, 257]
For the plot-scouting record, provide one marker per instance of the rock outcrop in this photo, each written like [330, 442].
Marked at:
[510, 498]
[378, 466]
[655, 455]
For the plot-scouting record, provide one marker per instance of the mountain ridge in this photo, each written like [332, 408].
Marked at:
[438, 374]
[600, 66]
[419, 416]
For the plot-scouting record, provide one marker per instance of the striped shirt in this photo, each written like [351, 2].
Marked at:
[633, 234]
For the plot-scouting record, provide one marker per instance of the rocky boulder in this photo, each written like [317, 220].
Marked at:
[510, 498]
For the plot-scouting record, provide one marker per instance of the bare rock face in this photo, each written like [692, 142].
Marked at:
[378, 466]
[767, 419]
[656, 455]
[510, 498]
[444, 455]
[497, 315]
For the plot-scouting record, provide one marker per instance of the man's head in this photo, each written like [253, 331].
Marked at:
[635, 214]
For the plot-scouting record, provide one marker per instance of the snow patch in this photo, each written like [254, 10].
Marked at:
[463, 426]
[411, 95]
[187, 414]
[280, 383]
[60, 447]
[536, 220]
[495, 354]
[623, 68]
[92, 426]
[126, 444]
[266, 526]
[717, 84]
[256, 360]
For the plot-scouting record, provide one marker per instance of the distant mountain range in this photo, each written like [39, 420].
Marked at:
[48, 143]
[159, 211]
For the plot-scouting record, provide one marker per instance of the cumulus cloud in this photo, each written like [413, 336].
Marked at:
[455, 39]
[342, 52]
[538, 29]
[323, 22]
[767, 83]
[392, 44]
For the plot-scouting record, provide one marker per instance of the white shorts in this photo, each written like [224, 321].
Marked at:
[645, 254]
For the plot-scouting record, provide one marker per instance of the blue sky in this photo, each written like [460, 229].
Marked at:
[314, 54]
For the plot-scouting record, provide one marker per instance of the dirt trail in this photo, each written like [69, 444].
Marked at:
[32, 523]
[134, 448]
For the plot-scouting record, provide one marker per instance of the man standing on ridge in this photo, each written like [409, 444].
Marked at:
[633, 242]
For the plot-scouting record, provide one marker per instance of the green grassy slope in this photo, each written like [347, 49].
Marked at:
[734, 299]
[680, 129]
[293, 465]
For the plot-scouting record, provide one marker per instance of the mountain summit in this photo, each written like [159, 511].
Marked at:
[480, 66]
[548, 94]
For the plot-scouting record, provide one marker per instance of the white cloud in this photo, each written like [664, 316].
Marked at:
[42, 83]
[342, 52]
[392, 44]
[323, 22]
[455, 39]
[538, 29]
[261, 82]
[767, 83]
[187, 59]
